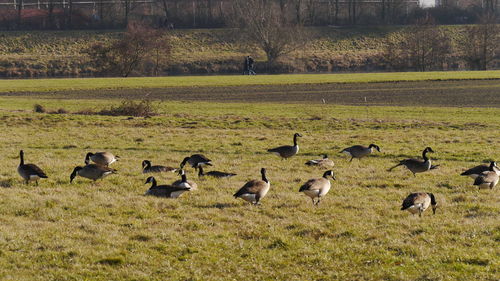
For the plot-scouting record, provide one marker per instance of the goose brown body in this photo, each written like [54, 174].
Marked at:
[287, 151]
[417, 165]
[318, 187]
[92, 172]
[196, 161]
[254, 190]
[101, 158]
[164, 190]
[359, 151]
[183, 182]
[476, 171]
[419, 202]
[148, 168]
[488, 179]
[29, 172]
[324, 162]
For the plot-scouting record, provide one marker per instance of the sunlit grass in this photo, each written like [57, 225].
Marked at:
[110, 231]
[45, 85]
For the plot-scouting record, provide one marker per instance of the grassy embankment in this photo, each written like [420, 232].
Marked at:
[59, 53]
[110, 231]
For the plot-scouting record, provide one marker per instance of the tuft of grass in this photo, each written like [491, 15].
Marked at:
[142, 108]
[38, 108]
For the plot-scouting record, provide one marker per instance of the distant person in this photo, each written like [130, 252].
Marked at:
[248, 66]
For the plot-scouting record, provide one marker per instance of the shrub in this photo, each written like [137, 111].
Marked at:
[39, 108]
[131, 108]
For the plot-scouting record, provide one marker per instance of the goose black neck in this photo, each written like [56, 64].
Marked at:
[294, 140]
[433, 199]
[153, 182]
[492, 164]
[325, 174]
[183, 178]
[424, 155]
[147, 164]
[264, 178]
[200, 171]
[184, 162]
[21, 155]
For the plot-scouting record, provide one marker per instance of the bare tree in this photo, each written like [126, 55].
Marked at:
[422, 47]
[263, 24]
[125, 55]
[480, 44]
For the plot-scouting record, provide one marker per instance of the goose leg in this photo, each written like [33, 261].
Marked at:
[314, 203]
[351, 159]
[36, 183]
[317, 202]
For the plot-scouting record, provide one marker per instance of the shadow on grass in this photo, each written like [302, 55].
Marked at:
[219, 206]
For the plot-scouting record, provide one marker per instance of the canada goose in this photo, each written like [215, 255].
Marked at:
[29, 172]
[359, 151]
[488, 179]
[254, 190]
[196, 160]
[419, 202]
[325, 162]
[317, 188]
[101, 158]
[164, 190]
[183, 182]
[215, 174]
[476, 171]
[287, 151]
[147, 168]
[92, 172]
[416, 165]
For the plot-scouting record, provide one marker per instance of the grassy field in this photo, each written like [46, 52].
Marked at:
[48, 85]
[110, 231]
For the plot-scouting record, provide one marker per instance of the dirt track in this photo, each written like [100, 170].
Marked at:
[466, 93]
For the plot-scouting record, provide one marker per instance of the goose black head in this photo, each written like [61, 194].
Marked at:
[325, 156]
[149, 180]
[297, 135]
[146, 163]
[374, 146]
[87, 157]
[493, 164]
[73, 174]
[428, 149]
[329, 173]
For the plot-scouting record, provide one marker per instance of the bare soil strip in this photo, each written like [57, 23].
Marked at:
[462, 93]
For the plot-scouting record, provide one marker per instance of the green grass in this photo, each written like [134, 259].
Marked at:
[110, 231]
[47, 85]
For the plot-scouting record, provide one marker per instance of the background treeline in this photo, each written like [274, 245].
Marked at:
[109, 14]
[277, 46]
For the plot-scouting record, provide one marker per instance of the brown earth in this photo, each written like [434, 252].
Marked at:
[463, 93]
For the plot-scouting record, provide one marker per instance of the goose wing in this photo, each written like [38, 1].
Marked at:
[312, 184]
[486, 177]
[475, 170]
[412, 199]
[32, 169]
[251, 187]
